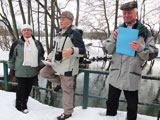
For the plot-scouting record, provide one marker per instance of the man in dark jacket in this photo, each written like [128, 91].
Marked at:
[24, 62]
[69, 47]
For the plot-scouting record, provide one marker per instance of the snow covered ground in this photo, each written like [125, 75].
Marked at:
[39, 111]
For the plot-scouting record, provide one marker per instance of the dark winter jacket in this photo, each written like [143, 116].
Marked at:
[16, 57]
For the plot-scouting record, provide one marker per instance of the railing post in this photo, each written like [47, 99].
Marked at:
[5, 69]
[85, 89]
[158, 118]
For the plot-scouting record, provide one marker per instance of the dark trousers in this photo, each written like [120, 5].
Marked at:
[23, 91]
[113, 102]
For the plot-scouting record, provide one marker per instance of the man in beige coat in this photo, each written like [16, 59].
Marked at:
[69, 47]
[125, 72]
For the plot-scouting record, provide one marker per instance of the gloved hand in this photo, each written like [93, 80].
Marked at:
[12, 73]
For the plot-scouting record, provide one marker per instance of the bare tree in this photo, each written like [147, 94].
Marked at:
[5, 21]
[13, 19]
[43, 6]
[52, 33]
[38, 21]
[77, 14]
[4, 39]
[46, 25]
[116, 14]
[29, 11]
[155, 33]
[22, 12]
[105, 15]
[58, 12]
[32, 20]
[142, 12]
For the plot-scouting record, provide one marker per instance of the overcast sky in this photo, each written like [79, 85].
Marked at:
[151, 17]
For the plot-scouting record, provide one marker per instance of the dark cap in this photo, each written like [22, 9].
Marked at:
[67, 14]
[129, 5]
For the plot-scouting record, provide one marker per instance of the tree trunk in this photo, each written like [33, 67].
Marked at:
[32, 20]
[77, 15]
[144, 12]
[46, 28]
[29, 11]
[116, 14]
[22, 12]
[52, 33]
[13, 19]
[105, 15]
[43, 6]
[57, 13]
[38, 22]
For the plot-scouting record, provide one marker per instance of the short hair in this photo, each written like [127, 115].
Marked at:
[136, 10]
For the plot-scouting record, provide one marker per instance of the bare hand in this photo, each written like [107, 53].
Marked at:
[67, 52]
[115, 34]
[48, 60]
[135, 45]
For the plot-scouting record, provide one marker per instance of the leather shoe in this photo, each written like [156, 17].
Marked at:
[57, 88]
[63, 116]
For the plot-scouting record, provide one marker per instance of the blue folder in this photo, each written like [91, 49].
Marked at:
[125, 36]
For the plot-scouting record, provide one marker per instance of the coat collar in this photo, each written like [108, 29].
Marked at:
[138, 25]
[22, 38]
